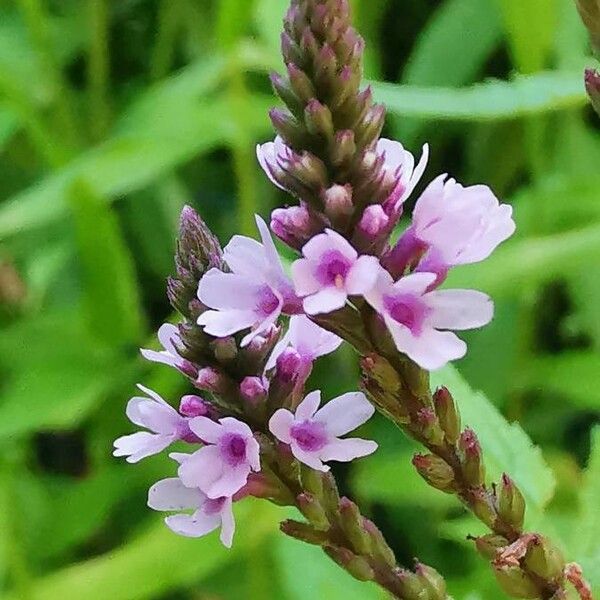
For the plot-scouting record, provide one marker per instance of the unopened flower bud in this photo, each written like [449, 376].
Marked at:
[326, 68]
[373, 222]
[488, 545]
[253, 391]
[435, 471]
[447, 413]
[483, 506]
[319, 120]
[211, 380]
[301, 84]
[289, 365]
[353, 526]
[378, 544]
[338, 203]
[370, 129]
[194, 406]
[225, 349]
[288, 127]
[304, 532]
[592, 85]
[430, 426]
[312, 509]
[295, 225]
[516, 583]
[544, 559]
[287, 94]
[472, 459]
[344, 148]
[357, 566]
[511, 504]
[431, 581]
[410, 585]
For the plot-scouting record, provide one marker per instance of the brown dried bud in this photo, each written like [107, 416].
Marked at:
[435, 471]
[472, 459]
[448, 414]
[511, 504]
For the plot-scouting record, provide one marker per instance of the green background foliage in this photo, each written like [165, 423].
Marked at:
[115, 114]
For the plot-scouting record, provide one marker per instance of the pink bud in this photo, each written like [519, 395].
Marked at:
[193, 406]
[208, 379]
[289, 365]
[295, 225]
[253, 390]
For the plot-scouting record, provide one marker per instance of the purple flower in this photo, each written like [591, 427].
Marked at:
[459, 225]
[308, 339]
[153, 413]
[268, 155]
[313, 435]
[168, 336]
[220, 468]
[399, 165]
[209, 514]
[415, 316]
[253, 295]
[330, 271]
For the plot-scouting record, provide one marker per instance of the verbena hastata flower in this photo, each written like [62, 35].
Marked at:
[330, 271]
[313, 433]
[166, 426]
[220, 468]
[269, 156]
[455, 225]
[307, 338]
[253, 295]
[418, 319]
[170, 495]
[168, 336]
[399, 164]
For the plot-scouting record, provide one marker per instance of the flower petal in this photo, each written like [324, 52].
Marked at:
[226, 322]
[195, 525]
[227, 524]
[171, 495]
[305, 282]
[348, 449]
[324, 301]
[220, 290]
[141, 445]
[363, 275]
[202, 469]
[168, 332]
[310, 459]
[459, 309]
[232, 480]
[345, 413]
[309, 406]
[280, 424]
[310, 340]
[206, 429]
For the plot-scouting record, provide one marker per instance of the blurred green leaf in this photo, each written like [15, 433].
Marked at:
[507, 448]
[570, 374]
[451, 50]
[530, 28]
[588, 537]
[268, 15]
[523, 96]
[156, 562]
[8, 124]
[111, 297]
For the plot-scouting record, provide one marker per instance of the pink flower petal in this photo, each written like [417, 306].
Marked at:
[415, 283]
[459, 309]
[227, 524]
[324, 301]
[309, 406]
[163, 358]
[345, 413]
[171, 495]
[206, 429]
[202, 469]
[308, 458]
[362, 275]
[141, 445]
[267, 155]
[310, 340]
[305, 282]
[168, 332]
[348, 449]
[228, 290]
[280, 424]
[226, 322]
[232, 480]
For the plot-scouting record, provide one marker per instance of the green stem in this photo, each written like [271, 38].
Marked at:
[37, 23]
[99, 68]
[169, 19]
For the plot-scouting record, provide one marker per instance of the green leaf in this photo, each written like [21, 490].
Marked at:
[8, 124]
[530, 30]
[111, 297]
[451, 50]
[523, 96]
[570, 374]
[154, 563]
[507, 448]
[588, 537]
[308, 573]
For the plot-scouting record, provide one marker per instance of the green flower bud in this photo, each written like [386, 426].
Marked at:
[516, 583]
[545, 559]
[304, 532]
[431, 581]
[472, 459]
[448, 414]
[357, 566]
[435, 471]
[488, 545]
[511, 504]
[352, 523]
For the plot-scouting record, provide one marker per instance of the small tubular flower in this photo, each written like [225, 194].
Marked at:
[169, 337]
[417, 318]
[307, 338]
[164, 423]
[220, 468]
[253, 295]
[330, 271]
[459, 225]
[313, 433]
[399, 164]
[170, 495]
[268, 154]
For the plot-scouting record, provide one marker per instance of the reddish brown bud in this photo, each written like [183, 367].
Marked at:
[472, 459]
[447, 413]
[592, 86]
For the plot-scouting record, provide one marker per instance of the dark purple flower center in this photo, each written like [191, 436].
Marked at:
[333, 268]
[267, 302]
[311, 436]
[233, 449]
[213, 507]
[408, 310]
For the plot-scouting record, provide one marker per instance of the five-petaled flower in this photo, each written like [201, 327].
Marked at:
[170, 495]
[417, 318]
[153, 413]
[253, 295]
[313, 433]
[330, 271]
[220, 468]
